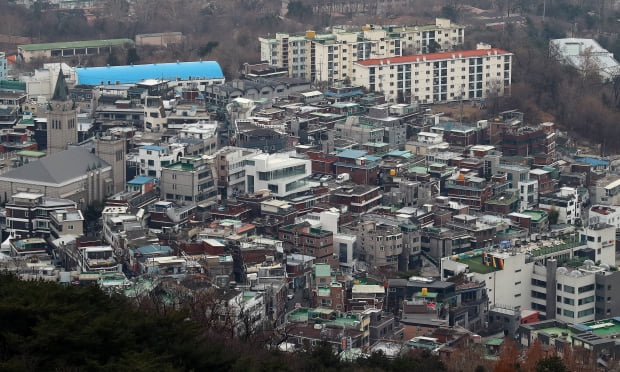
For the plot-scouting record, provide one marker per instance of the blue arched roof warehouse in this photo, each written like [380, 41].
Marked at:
[137, 73]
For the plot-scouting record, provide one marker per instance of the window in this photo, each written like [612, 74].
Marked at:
[569, 313]
[586, 288]
[585, 312]
[586, 300]
[569, 289]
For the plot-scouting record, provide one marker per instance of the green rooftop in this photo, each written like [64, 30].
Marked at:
[503, 200]
[26, 122]
[76, 44]
[536, 216]
[418, 169]
[31, 153]
[558, 331]
[604, 328]
[322, 270]
[555, 248]
[323, 316]
[376, 144]
[475, 265]
[428, 295]
[495, 342]
[12, 85]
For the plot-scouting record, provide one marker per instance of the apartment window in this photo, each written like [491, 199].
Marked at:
[586, 288]
[586, 300]
[569, 313]
[585, 313]
[569, 289]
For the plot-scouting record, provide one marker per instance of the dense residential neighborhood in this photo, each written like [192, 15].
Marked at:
[349, 189]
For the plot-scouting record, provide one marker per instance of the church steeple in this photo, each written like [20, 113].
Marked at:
[61, 91]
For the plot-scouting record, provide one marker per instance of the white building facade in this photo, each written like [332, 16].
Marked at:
[278, 173]
[329, 57]
[438, 77]
[151, 159]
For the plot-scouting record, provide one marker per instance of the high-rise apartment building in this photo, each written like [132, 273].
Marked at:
[329, 57]
[438, 77]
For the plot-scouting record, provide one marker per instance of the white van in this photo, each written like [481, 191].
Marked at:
[343, 177]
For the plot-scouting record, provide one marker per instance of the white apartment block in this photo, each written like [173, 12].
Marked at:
[426, 143]
[329, 57]
[522, 277]
[230, 170]
[151, 159]
[438, 77]
[278, 173]
[528, 194]
[566, 202]
[604, 214]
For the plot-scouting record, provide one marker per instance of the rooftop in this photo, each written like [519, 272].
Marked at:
[140, 180]
[57, 168]
[75, 44]
[433, 57]
[137, 73]
[475, 265]
[152, 148]
[536, 216]
[604, 328]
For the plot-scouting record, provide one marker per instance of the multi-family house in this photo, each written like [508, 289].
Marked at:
[468, 189]
[29, 214]
[150, 159]
[280, 174]
[306, 240]
[565, 202]
[230, 169]
[192, 180]
[379, 245]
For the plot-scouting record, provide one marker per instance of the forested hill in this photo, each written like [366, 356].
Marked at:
[48, 327]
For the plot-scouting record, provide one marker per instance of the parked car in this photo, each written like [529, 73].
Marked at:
[326, 178]
[316, 176]
[343, 177]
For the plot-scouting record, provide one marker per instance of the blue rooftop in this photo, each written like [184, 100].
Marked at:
[152, 249]
[141, 180]
[397, 153]
[372, 158]
[137, 73]
[450, 125]
[594, 162]
[352, 154]
[152, 148]
[341, 95]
